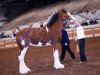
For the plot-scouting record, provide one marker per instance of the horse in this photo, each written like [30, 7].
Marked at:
[46, 35]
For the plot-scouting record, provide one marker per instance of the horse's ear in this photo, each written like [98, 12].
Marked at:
[62, 8]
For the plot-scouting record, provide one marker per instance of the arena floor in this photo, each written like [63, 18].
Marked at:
[40, 60]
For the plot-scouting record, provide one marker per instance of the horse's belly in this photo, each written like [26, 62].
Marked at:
[40, 44]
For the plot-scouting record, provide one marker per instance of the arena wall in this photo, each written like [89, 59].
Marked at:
[90, 32]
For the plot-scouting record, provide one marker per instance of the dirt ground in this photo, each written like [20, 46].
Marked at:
[40, 60]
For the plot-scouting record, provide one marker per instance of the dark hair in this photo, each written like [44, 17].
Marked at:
[52, 20]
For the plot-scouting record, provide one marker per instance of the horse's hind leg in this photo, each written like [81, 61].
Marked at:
[23, 69]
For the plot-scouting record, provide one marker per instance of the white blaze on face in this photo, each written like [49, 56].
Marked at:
[71, 15]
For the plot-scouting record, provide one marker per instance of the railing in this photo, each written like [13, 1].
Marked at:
[89, 32]
[8, 43]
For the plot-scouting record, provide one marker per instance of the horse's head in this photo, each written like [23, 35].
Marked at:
[58, 17]
[65, 14]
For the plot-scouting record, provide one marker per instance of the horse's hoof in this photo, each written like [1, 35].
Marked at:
[60, 66]
[25, 71]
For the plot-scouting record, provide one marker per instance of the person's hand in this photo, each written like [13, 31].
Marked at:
[75, 39]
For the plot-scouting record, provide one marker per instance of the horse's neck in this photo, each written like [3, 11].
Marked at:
[58, 25]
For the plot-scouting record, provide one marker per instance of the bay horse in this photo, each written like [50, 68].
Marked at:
[49, 34]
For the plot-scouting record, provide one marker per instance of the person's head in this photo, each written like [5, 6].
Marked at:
[77, 24]
[30, 25]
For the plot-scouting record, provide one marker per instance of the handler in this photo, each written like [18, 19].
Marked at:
[65, 45]
[81, 42]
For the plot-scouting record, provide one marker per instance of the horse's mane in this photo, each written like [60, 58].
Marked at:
[52, 19]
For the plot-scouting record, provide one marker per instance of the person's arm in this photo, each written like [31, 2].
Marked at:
[74, 37]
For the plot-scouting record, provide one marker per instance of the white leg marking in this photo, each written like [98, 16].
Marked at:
[23, 69]
[72, 17]
[22, 42]
[48, 44]
[57, 63]
[39, 44]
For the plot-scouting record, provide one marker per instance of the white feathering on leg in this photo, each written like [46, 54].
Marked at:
[23, 69]
[57, 63]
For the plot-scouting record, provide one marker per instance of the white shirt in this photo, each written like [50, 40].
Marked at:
[80, 32]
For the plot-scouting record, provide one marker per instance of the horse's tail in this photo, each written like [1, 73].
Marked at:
[18, 41]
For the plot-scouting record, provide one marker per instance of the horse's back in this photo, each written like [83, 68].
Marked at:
[33, 35]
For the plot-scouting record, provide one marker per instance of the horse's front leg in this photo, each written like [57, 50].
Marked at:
[23, 69]
[57, 63]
